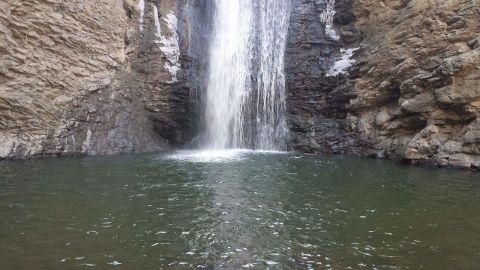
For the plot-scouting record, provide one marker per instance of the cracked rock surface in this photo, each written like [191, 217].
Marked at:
[413, 90]
[417, 92]
[396, 79]
[79, 77]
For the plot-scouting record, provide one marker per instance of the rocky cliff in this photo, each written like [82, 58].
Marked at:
[416, 95]
[411, 92]
[99, 77]
[393, 79]
[318, 31]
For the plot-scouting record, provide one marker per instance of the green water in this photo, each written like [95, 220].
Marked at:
[258, 210]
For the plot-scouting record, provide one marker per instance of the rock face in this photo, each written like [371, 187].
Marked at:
[413, 92]
[81, 77]
[316, 122]
[393, 79]
[417, 92]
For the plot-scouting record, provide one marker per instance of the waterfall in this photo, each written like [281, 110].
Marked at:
[245, 100]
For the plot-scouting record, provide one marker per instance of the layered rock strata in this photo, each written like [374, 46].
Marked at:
[395, 79]
[318, 31]
[98, 77]
[411, 93]
[417, 92]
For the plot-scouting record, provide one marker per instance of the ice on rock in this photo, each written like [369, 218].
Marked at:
[343, 63]
[327, 17]
[169, 45]
[141, 7]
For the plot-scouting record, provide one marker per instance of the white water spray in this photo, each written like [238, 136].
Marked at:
[245, 103]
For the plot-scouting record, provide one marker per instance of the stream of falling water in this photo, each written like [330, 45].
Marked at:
[245, 103]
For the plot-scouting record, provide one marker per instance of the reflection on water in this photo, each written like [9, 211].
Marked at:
[236, 209]
[220, 155]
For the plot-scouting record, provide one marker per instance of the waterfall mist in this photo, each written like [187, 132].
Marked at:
[245, 99]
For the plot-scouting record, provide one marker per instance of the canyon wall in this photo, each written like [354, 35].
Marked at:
[396, 79]
[99, 77]
[315, 119]
[412, 90]
[416, 92]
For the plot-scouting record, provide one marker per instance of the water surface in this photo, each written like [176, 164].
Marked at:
[236, 209]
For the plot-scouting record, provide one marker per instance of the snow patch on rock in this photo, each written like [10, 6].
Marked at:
[88, 141]
[343, 63]
[141, 7]
[7, 146]
[158, 31]
[171, 49]
[327, 18]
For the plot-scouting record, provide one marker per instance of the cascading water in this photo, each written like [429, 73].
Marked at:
[245, 103]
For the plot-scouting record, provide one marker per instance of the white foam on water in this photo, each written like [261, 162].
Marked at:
[271, 263]
[115, 263]
[215, 156]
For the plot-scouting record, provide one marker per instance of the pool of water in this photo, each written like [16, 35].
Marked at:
[237, 209]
